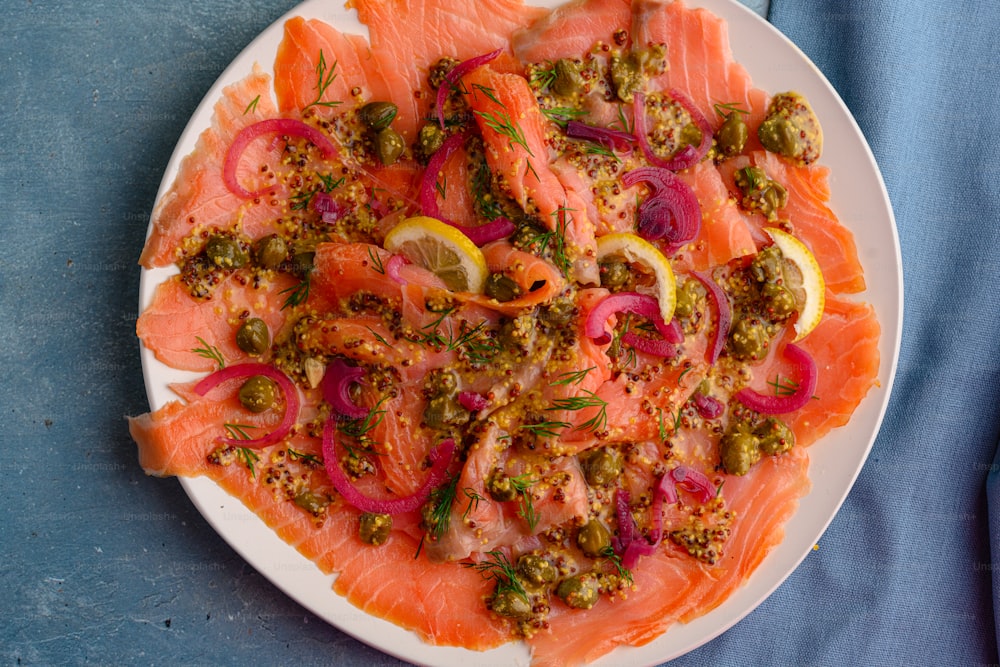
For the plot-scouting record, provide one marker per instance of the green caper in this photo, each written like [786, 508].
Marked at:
[615, 274]
[626, 75]
[559, 312]
[579, 592]
[441, 382]
[374, 528]
[602, 467]
[258, 393]
[748, 339]
[690, 135]
[778, 300]
[389, 145]
[439, 70]
[443, 412]
[429, 140]
[499, 486]
[517, 333]
[302, 263]
[739, 451]
[525, 235]
[511, 604]
[688, 294]
[377, 115]
[225, 252]
[252, 337]
[567, 79]
[766, 266]
[732, 135]
[270, 251]
[593, 538]
[502, 288]
[535, 570]
[311, 502]
[791, 129]
[775, 436]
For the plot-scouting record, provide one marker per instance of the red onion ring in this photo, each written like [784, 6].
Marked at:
[694, 482]
[725, 318]
[613, 140]
[776, 405]
[458, 71]
[657, 348]
[392, 267]
[440, 459]
[336, 388]
[288, 389]
[496, 229]
[687, 156]
[671, 212]
[286, 126]
[617, 302]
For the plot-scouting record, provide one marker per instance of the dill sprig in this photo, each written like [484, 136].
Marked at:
[442, 497]
[596, 423]
[238, 431]
[561, 116]
[593, 148]
[501, 571]
[571, 377]
[209, 352]
[442, 187]
[544, 78]
[488, 92]
[324, 78]
[361, 427]
[478, 346]
[677, 419]
[377, 265]
[501, 123]
[482, 192]
[556, 238]
[252, 106]
[623, 572]
[683, 373]
[302, 200]
[545, 429]
[379, 337]
[661, 426]
[474, 499]
[622, 122]
[249, 458]
[728, 109]
[525, 506]
[783, 386]
[297, 294]
[301, 456]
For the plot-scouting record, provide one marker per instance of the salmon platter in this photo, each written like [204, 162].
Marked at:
[537, 335]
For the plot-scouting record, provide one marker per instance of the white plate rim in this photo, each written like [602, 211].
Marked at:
[775, 64]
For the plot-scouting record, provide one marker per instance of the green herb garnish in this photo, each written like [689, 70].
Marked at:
[623, 572]
[596, 423]
[209, 352]
[571, 377]
[502, 572]
[300, 456]
[324, 78]
[252, 106]
[525, 506]
[297, 294]
[501, 123]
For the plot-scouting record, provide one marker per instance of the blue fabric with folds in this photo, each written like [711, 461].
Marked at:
[904, 574]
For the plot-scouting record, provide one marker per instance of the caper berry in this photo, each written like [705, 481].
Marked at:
[748, 339]
[775, 436]
[389, 145]
[593, 538]
[499, 486]
[791, 129]
[567, 79]
[732, 135]
[270, 251]
[615, 275]
[579, 592]
[374, 528]
[225, 252]
[430, 138]
[739, 451]
[511, 604]
[602, 467]
[502, 288]
[377, 115]
[258, 393]
[535, 570]
[252, 337]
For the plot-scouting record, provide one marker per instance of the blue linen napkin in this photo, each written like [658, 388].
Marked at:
[904, 574]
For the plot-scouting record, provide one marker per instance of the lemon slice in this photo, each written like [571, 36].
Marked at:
[442, 249]
[807, 282]
[636, 250]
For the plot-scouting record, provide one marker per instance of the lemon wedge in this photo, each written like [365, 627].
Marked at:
[441, 249]
[805, 282]
[636, 250]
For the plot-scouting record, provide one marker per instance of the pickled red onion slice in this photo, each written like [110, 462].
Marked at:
[457, 72]
[336, 388]
[776, 405]
[288, 389]
[724, 312]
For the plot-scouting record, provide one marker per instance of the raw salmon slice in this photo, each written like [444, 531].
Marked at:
[570, 30]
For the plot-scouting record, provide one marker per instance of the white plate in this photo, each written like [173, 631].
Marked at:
[859, 199]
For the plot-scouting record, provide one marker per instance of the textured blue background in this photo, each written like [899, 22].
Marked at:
[101, 564]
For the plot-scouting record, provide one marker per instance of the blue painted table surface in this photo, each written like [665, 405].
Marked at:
[101, 564]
